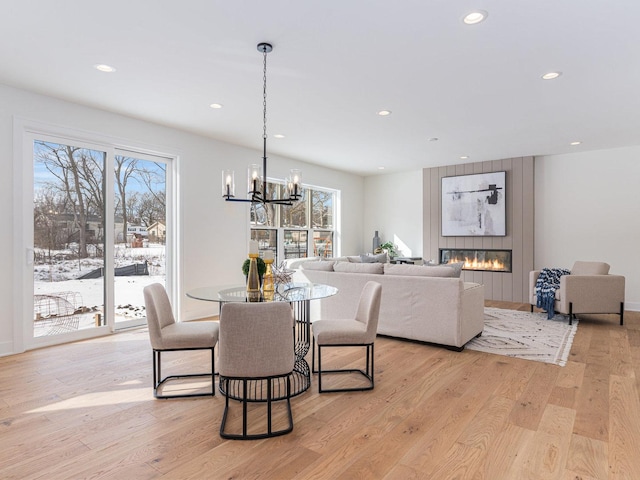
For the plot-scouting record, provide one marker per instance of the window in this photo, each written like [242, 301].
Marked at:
[303, 229]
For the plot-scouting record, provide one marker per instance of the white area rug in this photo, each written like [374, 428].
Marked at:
[530, 336]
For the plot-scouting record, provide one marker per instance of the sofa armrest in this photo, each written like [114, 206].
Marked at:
[591, 293]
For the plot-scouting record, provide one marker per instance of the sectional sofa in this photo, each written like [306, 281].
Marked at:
[422, 303]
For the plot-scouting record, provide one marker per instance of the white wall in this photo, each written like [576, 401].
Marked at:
[587, 207]
[214, 233]
[393, 206]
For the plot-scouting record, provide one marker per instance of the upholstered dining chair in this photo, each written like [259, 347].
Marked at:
[168, 335]
[351, 332]
[256, 360]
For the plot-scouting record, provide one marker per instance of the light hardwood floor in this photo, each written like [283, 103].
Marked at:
[86, 410]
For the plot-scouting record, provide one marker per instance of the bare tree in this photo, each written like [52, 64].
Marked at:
[125, 168]
[78, 173]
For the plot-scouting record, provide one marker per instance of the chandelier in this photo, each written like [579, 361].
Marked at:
[257, 175]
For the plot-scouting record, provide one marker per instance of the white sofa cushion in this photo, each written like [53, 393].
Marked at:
[345, 267]
[318, 265]
[418, 270]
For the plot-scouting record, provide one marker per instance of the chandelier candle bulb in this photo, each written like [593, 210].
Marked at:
[254, 179]
[228, 184]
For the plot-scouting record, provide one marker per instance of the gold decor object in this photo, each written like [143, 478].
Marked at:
[253, 280]
[268, 286]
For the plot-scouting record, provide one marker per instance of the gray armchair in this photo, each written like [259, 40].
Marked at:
[588, 289]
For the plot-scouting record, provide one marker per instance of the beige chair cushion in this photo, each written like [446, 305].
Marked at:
[256, 339]
[167, 334]
[360, 330]
[590, 268]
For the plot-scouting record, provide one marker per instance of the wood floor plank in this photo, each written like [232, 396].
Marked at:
[624, 443]
[592, 404]
[529, 407]
[588, 458]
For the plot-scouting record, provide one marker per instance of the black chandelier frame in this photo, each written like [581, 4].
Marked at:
[257, 196]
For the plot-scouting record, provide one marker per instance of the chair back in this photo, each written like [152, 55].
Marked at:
[369, 308]
[256, 339]
[590, 268]
[159, 313]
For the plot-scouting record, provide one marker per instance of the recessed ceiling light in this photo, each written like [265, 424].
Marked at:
[464, 157]
[551, 75]
[384, 113]
[380, 168]
[216, 105]
[278, 135]
[575, 143]
[474, 17]
[104, 68]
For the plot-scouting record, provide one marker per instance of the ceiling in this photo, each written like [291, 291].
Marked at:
[454, 90]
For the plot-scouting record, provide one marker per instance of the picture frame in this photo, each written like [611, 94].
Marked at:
[474, 205]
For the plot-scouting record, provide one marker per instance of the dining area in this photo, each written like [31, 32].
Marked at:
[257, 349]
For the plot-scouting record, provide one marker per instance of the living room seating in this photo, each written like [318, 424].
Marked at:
[589, 289]
[167, 335]
[350, 332]
[256, 361]
[423, 303]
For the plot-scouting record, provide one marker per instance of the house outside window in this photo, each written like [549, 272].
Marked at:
[304, 229]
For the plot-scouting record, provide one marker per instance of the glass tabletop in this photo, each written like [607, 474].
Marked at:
[290, 292]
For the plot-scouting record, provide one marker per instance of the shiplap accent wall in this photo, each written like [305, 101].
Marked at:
[511, 287]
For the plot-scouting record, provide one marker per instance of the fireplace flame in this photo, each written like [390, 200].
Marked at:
[475, 264]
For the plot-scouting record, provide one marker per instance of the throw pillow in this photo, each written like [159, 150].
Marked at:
[457, 267]
[345, 267]
[354, 259]
[372, 258]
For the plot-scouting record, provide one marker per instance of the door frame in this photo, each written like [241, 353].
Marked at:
[25, 131]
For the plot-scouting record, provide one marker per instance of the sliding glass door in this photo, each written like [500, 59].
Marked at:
[140, 226]
[96, 225]
[68, 238]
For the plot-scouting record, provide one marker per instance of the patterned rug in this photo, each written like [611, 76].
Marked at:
[526, 335]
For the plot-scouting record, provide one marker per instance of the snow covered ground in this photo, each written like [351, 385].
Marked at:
[62, 276]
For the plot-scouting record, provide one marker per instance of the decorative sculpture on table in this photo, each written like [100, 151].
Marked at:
[282, 275]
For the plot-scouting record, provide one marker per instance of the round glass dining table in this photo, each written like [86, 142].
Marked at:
[299, 295]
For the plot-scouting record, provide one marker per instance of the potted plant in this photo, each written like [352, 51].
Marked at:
[388, 247]
[262, 268]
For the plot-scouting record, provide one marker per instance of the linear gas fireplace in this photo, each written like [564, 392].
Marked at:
[479, 260]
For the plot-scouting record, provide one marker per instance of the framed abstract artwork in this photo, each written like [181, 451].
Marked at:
[474, 205]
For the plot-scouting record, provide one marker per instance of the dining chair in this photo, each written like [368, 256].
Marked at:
[167, 335]
[350, 332]
[256, 360]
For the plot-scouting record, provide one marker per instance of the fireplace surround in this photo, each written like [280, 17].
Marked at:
[478, 260]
